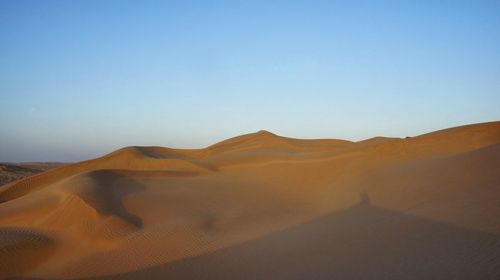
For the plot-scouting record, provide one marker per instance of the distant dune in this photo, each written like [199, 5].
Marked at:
[263, 206]
[10, 172]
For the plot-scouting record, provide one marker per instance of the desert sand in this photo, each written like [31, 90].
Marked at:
[10, 172]
[263, 206]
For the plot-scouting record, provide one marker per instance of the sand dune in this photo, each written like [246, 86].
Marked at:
[263, 206]
[10, 172]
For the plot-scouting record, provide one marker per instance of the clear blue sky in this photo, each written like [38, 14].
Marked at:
[81, 78]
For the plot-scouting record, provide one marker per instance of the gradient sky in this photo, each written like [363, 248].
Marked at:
[81, 78]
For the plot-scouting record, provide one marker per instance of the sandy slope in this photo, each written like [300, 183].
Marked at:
[10, 172]
[262, 206]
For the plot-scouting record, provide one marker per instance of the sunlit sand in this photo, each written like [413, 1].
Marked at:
[263, 206]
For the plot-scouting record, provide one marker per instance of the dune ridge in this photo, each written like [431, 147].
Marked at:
[263, 206]
[10, 172]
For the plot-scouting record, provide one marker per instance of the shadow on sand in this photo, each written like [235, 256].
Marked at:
[111, 186]
[363, 242]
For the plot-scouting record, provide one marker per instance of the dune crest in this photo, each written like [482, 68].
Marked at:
[264, 206]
